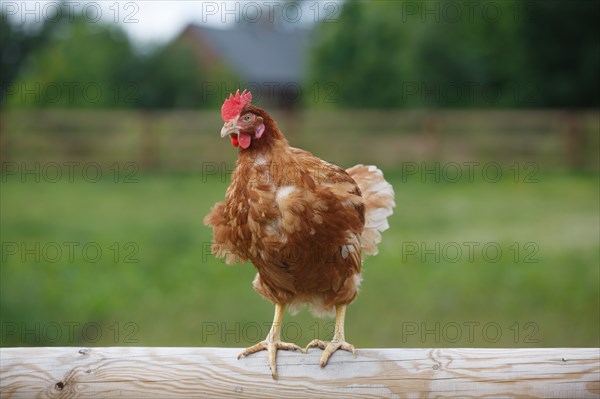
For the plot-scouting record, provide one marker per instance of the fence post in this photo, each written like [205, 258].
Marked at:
[148, 144]
[574, 141]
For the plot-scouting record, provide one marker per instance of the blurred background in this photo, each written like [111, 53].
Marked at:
[483, 115]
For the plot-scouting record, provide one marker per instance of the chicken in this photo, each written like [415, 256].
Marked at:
[305, 224]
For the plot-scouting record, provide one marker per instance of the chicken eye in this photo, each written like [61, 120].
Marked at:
[247, 118]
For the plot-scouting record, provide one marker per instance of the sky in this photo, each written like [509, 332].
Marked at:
[152, 21]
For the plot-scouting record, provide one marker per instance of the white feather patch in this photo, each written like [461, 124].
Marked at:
[283, 193]
[347, 250]
[260, 160]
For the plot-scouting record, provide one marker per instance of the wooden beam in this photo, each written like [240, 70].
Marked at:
[127, 372]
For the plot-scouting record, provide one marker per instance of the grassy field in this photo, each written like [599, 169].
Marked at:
[463, 264]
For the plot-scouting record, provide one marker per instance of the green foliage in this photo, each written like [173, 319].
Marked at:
[170, 78]
[83, 65]
[94, 65]
[563, 45]
[16, 44]
[363, 54]
[378, 54]
[407, 53]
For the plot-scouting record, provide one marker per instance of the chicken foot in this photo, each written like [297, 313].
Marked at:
[338, 341]
[273, 342]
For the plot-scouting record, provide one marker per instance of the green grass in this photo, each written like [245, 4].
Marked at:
[177, 294]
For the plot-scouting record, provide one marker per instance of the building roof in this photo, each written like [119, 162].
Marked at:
[259, 53]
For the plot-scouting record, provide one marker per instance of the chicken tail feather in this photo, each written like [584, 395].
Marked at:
[378, 195]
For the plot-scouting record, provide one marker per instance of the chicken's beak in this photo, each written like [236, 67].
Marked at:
[229, 128]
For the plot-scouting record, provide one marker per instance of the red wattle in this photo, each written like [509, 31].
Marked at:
[244, 140]
[234, 140]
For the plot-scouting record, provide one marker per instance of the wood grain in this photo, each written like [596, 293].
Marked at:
[127, 372]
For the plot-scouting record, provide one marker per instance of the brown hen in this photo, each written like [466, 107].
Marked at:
[304, 223]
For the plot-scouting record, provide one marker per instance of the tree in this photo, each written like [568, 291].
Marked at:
[563, 47]
[407, 53]
[16, 44]
[170, 77]
[94, 65]
[82, 65]
[362, 53]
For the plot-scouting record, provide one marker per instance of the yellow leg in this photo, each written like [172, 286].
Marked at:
[338, 342]
[273, 342]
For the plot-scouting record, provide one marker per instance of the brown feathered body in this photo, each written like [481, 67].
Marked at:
[304, 223]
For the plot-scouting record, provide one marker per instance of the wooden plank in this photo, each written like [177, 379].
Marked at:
[128, 372]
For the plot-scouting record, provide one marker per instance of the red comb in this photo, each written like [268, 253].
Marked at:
[234, 104]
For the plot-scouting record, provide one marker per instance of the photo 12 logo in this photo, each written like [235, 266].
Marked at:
[69, 252]
[468, 93]
[71, 171]
[469, 332]
[471, 12]
[59, 11]
[69, 332]
[274, 92]
[469, 252]
[469, 172]
[252, 12]
[70, 93]
[236, 332]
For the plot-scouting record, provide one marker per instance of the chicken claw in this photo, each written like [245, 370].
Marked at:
[273, 342]
[271, 347]
[338, 341]
[330, 347]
